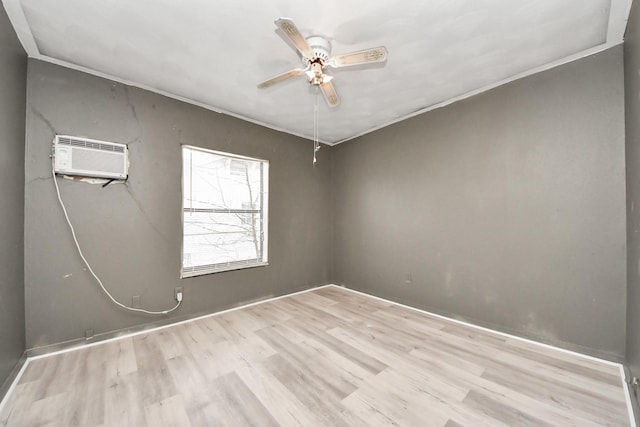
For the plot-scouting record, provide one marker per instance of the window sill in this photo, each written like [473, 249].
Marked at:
[196, 273]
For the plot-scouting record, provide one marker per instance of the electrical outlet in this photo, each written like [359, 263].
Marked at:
[176, 291]
[136, 302]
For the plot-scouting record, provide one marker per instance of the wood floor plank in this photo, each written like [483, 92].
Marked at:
[48, 412]
[283, 405]
[584, 380]
[405, 319]
[169, 412]
[156, 383]
[206, 364]
[349, 352]
[120, 358]
[232, 404]
[314, 299]
[582, 400]
[551, 413]
[342, 366]
[170, 342]
[333, 380]
[325, 357]
[54, 373]
[565, 356]
[506, 414]
[215, 332]
[379, 406]
[553, 359]
[123, 402]
[402, 399]
[326, 317]
[312, 393]
[86, 397]
[496, 356]
[269, 313]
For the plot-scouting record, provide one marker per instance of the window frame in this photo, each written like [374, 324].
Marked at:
[262, 260]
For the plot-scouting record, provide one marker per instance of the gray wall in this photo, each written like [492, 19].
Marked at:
[632, 97]
[507, 209]
[13, 66]
[132, 233]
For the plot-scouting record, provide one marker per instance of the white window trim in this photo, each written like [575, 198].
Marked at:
[235, 265]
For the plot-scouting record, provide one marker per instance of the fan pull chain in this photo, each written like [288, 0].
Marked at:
[316, 143]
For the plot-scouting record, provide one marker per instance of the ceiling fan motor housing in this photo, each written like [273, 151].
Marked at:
[321, 48]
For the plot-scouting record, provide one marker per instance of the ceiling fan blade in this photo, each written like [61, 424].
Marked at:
[291, 31]
[330, 94]
[367, 56]
[280, 78]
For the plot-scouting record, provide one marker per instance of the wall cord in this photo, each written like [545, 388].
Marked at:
[95, 276]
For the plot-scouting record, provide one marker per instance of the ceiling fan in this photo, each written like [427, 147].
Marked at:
[316, 56]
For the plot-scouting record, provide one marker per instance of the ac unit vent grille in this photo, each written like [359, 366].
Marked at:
[90, 144]
[90, 157]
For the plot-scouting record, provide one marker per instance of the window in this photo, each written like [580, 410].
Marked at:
[224, 211]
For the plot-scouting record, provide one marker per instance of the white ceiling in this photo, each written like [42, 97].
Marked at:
[213, 53]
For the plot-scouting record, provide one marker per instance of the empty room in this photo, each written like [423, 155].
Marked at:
[338, 213]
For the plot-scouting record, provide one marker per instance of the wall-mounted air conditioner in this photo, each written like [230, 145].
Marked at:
[88, 157]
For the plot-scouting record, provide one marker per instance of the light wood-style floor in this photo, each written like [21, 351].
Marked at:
[329, 357]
